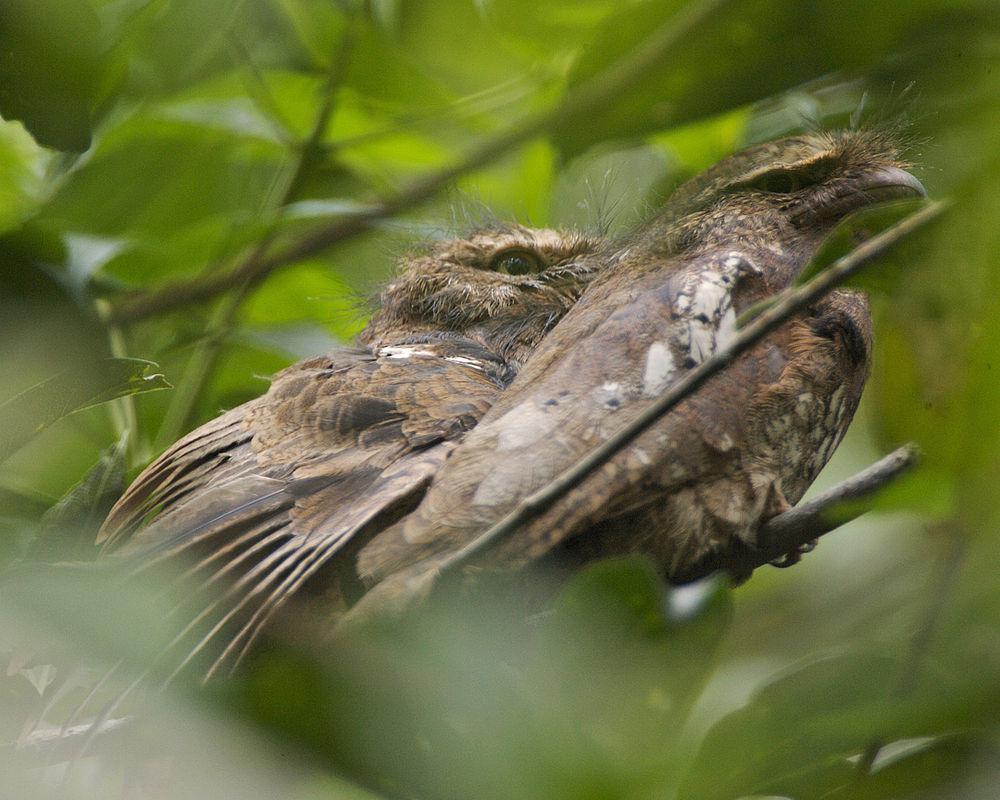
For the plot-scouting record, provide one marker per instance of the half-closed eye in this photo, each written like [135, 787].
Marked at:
[517, 261]
[787, 179]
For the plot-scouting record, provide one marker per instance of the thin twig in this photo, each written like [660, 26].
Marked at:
[786, 304]
[799, 527]
[826, 512]
[602, 90]
[202, 363]
[200, 367]
[123, 411]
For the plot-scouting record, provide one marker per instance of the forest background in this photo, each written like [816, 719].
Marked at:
[195, 194]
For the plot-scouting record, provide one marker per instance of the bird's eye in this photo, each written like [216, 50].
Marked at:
[787, 180]
[516, 262]
[781, 181]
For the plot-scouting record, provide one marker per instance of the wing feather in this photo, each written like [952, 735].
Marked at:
[261, 498]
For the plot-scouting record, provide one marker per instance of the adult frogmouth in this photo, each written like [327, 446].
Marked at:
[261, 498]
[703, 479]
[329, 471]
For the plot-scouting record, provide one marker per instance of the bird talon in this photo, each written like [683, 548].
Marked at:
[793, 557]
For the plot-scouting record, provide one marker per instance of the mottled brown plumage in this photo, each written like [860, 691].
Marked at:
[331, 468]
[341, 445]
[701, 481]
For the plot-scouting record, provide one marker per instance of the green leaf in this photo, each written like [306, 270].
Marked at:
[30, 412]
[19, 515]
[22, 505]
[373, 146]
[556, 24]
[159, 47]
[815, 717]
[479, 55]
[616, 592]
[21, 164]
[389, 76]
[630, 657]
[154, 176]
[68, 529]
[740, 53]
[854, 229]
[49, 69]
[318, 24]
[915, 767]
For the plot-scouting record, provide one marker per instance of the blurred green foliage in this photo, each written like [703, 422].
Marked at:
[148, 141]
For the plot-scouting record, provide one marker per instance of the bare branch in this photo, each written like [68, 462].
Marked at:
[826, 512]
[589, 96]
[785, 305]
[790, 533]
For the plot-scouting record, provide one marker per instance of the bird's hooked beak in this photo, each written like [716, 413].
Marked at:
[880, 185]
[894, 183]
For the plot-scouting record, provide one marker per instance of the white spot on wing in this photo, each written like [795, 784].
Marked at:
[659, 369]
[803, 404]
[738, 262]
[468, 362]
[709, 314]
[609, 395]
[710, 296]
[702, 342]
[724, 443]
[727, 328]
[403, 351]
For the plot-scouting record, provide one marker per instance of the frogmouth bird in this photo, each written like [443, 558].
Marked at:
[341, 445]
[699, 483]
[496, 362]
